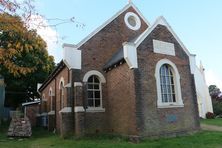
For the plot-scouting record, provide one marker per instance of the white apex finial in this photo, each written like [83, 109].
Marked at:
[129, 1]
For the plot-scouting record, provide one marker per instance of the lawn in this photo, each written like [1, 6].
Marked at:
[216, 121]
[43, 139]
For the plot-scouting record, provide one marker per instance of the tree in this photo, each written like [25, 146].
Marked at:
[24, 60]
[214, 91]
[216, 99]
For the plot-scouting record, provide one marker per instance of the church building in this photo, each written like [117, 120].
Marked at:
[127, 77]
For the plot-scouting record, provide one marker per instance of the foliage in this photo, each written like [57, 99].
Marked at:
[210, 115]
[214, 91]
[217, 107]
[24, 60]
[216, 97]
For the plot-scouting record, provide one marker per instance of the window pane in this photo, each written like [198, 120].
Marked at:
[167, 84]
[90, 94]
[169, 98]
[164, 98]
[174, 98]
[94, 91]
[167, 71]
[97, 103]
[90, 86]
[97, 94]
[96, 86]
[162, 71]
[162, 80]
[90, 79]
[173, 90]
[171, 72]
[171, 80]
[90, 102]
[164, 89]
[96, 79]
[168, 89]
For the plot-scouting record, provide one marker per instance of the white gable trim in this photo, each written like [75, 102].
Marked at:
[160, 21]
[110, 20]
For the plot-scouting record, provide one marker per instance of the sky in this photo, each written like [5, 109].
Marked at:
[196, 22]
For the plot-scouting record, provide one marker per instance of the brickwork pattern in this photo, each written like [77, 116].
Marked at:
[31, 112]
[121, 100]
[150, 119]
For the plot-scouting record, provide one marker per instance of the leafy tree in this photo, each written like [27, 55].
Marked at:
[216, 99]
[214, 91]
[24, 60]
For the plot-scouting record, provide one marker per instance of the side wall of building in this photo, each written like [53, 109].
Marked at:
[162, 121]
[55, 86]
[95, 53]
[121, 100]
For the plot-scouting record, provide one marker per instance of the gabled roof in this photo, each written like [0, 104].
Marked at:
[58, 68]
[160, 21]
[130, 4]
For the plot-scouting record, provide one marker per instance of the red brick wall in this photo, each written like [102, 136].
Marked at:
[95, 53]
[31, 112]
[121, 100]
[54, 84]
[153, 121]
[101, 47]
[47, 96]
[65, 74]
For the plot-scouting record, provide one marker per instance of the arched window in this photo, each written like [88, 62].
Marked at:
[51, 99]
[168, 85]
[94, 91]
[44, 103]
[61, 94]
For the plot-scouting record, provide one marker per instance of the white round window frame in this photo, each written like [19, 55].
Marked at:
[137, 20]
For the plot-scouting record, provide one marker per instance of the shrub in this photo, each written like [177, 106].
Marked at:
[217, 107]
[210, 115]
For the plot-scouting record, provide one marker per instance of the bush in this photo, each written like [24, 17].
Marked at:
[210, 115]
[217, 107]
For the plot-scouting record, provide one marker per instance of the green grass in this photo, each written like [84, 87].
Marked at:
[217, 121]
[43, 139]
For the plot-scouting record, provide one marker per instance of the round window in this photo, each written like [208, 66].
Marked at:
[132, 21]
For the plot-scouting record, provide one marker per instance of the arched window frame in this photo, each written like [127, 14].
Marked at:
[62, 89]
[176, 76]
[101, 79]
[51, 98]
[44, 103]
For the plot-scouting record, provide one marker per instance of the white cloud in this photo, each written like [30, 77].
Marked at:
[213, 79]
[49, 35]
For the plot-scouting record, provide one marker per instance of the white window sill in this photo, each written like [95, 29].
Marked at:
[95, 109]
[44, 114]
[170, 105]
[51, 112]
[66, 110]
